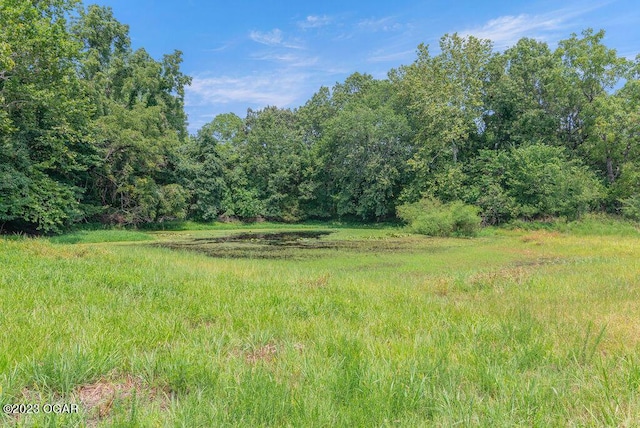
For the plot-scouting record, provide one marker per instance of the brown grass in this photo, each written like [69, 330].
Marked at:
[266, 353]
[318, 282]
[98, 398]
[539, 237]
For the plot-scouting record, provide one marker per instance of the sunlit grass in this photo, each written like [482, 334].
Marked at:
[511, 328]
[96, 236]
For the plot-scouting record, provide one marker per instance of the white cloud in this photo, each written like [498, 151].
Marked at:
[505, 31]
[220, 48]
[209, 96]
[314, 21]
[270, 38]
[382, 24]
[280, 89]
[287, 59]
[274, 38]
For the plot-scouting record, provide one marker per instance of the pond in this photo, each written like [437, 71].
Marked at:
[281, 245]
[270, 245]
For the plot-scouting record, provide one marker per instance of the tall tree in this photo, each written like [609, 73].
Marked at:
[364, 150]
[209, 170]
[138, 122]
[520, 99]
[590, 70]
[276, 158]
[313, 119]
[614, 145]
[444, 96]
[43, 152]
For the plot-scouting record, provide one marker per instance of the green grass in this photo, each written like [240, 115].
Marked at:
[513, 328]
[589, 225]
[98, 236]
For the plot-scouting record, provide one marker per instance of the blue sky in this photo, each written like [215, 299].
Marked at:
[245, 53]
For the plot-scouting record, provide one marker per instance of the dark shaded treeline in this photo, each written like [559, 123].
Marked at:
[93, 130]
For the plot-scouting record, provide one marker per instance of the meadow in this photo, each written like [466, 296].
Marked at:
[321, 325]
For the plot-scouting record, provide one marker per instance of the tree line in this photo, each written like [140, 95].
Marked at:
[92, 130]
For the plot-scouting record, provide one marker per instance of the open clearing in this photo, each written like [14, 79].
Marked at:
[314, 326]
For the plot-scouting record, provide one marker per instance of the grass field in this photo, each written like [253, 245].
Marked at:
[354, 327]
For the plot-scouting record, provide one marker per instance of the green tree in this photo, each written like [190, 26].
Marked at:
[275, 158]
[590, 70]
[137, 125]
[520, 97]
[207, 168]
[533, 181]
[364, 150]
[313, 118]
[616, 144]
[443, 95]
[43, 119]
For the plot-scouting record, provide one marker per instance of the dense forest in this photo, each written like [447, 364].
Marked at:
[92, 130]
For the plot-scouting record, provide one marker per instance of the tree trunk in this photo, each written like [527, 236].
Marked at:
[610, 173]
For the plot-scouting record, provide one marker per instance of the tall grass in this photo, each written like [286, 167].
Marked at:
[97, 236]
[590, 225]
[515, 328]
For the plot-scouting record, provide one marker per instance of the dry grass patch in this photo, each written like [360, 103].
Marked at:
[539, 237]
[441, 286]
[98, 398]
[318, 282]
[265, 353]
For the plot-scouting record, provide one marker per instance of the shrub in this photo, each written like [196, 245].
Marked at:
[465, 218]
[433, 218]
[496, 205]
[544, 182]
[533, 182]
[631, 207]
[625, 189]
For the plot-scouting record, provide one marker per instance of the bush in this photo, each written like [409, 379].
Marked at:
[624, 190]
[533, 182]
[545, 182]
[465, 218]
[496, 205]
[631, 207]
[433, 218]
